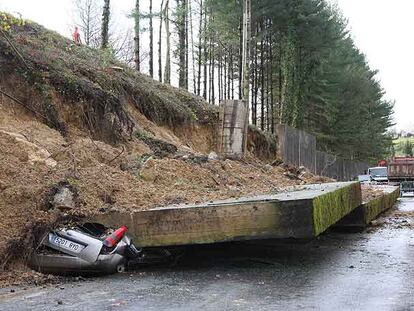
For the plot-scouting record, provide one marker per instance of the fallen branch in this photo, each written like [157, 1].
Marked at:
[123, 150]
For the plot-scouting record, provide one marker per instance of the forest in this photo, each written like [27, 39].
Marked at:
[305, 70]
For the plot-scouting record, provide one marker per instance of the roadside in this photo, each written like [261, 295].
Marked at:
[363, 271]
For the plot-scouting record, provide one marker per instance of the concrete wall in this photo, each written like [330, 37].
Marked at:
[298, 148]
[234, 119]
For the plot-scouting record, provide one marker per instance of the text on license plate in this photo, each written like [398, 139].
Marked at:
[66, 244]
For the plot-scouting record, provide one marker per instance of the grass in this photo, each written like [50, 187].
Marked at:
[399, 145]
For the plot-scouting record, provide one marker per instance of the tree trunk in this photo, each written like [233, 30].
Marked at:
[241, 59]
[136, 39]
[272, 99]
[190, 17]
[151, 53]
[262, 84]
[167, 71]
[247, 7]
[205, 57]
[105, 24]
[160, 43]
[187, 45]
[255, 82]
[200, 32]
[182, 40]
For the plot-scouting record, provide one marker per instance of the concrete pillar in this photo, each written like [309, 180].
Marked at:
[233, 126]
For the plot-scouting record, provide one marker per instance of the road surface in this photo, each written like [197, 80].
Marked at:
[373, 270]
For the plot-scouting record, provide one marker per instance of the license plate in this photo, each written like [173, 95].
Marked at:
[66, 244]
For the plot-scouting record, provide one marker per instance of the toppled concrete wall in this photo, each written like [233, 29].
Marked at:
[232, 132]
[301, 212]
[368, 211]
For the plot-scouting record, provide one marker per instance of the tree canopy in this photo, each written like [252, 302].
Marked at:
[307, 73]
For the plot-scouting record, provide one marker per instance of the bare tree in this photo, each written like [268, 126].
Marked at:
[86, 16]
[122, 44]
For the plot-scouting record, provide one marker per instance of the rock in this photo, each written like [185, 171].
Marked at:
[199, 159]
[64, 199]
[60, 302]
[3, 185]
[212, 156]
[268, 167]
[302, 169]
[277, 162]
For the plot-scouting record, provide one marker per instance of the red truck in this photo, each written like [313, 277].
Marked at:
[401, 169]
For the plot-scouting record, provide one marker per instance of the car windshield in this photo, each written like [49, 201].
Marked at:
[378, 172]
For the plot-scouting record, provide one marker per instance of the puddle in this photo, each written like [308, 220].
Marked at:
[406, 204]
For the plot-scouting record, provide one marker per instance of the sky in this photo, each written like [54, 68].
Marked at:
[382, 30]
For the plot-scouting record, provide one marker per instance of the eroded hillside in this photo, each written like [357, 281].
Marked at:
[73, 116]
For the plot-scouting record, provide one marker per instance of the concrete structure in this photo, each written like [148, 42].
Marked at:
[368, 211]
[303, 212]
[298, 148]
[232, 132]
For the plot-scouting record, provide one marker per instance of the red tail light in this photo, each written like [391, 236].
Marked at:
[115, 237]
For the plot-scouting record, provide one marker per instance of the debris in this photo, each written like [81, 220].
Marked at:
[212, 156]
[64, 199]
[160, 148]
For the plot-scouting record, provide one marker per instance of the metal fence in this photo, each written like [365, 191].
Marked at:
[298, 148]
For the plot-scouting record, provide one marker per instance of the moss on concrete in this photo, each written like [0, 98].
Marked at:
[379, 205]
[333, 206]
[367, 212]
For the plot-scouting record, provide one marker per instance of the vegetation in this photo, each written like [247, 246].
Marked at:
[305, 70]
[93, 81]
[404, 147]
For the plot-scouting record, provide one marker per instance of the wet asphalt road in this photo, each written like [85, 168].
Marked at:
[373, 270]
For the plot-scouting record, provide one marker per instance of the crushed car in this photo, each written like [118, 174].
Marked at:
[91, 249]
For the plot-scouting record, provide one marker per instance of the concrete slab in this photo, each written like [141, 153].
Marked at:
[368, 211]
[302, 212]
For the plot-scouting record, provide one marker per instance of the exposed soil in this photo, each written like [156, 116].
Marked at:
[34, 158]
